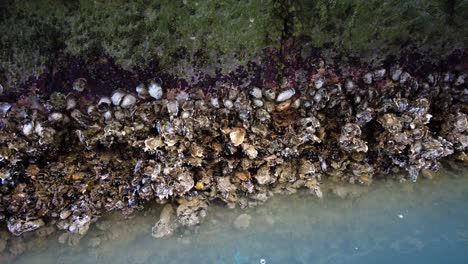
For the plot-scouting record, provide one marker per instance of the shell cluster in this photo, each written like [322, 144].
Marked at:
[66, 160]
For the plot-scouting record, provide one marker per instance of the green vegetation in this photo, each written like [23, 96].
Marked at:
[211, 32]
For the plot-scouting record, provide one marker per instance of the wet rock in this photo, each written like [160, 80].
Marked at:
[19, 226]
[263, 175]
[242, 222]
[190, 213]
[237, 136]
[94, 242]
[3, 244]
[166, 225]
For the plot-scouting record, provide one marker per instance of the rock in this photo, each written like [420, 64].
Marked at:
[189, 213]
[166, 225]
[242, 221]
[243, 175]
[94, 242]
[263, 175]
[19, 226]
[340, 191]
[3, 244]
[173, 107]
[80, 224]
[237, 136]
[65, 214]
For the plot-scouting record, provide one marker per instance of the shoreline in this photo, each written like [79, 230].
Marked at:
[70, 157]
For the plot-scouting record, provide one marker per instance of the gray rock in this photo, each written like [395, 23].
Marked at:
[166, 225]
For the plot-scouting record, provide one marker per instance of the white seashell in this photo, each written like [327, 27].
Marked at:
[104, 102]
[459, 81]
[55, 117]
[404, 77]
[286, 95]
[173, 107]
[117, 97]
[142, 91]
[367, 78]
[4, 108]
[396, 74]
[215, 102]
[228, 104]
[258, 102]
[319, 82]
[379, 74]
[28, 128]
[349, 85]
[71, 103]
[256, 92]
[155, 91]
[182, 96]
[128, 101]
[108, 115]
[39, 129]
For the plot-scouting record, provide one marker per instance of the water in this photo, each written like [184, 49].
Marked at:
[388, 222]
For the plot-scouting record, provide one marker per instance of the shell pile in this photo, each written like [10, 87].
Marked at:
[66, 161]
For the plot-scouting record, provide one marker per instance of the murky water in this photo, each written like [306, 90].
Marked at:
[388, 222]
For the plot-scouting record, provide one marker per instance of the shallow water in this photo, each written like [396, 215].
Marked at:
[390, 222]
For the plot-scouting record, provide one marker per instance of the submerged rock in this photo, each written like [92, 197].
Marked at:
[242, 221]
[166, 225]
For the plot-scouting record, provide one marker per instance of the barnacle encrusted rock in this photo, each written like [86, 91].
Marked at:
[68, 158]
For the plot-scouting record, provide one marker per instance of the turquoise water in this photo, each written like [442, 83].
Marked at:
[390, 222]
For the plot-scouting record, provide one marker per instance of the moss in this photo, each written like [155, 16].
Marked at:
[383, 27]
[135, 32]
[223, 33]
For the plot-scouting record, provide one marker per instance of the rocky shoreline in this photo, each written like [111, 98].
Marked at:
[67, 158]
